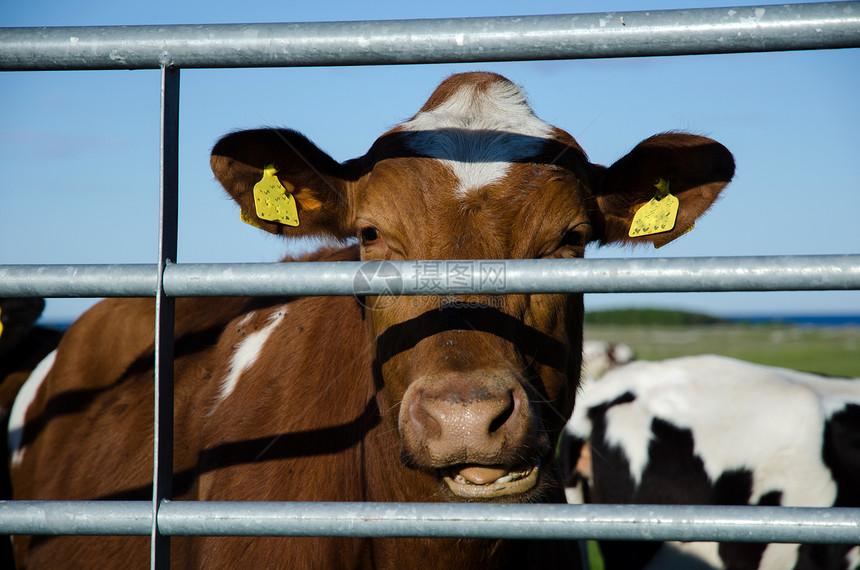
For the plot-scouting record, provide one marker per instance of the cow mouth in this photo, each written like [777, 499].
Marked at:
[489, 481]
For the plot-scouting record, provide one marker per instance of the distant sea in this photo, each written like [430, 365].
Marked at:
[56, 325]
[804, 320]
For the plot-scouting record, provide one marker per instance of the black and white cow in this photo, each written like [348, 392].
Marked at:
[713, 430]
[600, 356]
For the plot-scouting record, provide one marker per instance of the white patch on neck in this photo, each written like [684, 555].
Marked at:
[25, 397]
[478, 134]
[247, 352]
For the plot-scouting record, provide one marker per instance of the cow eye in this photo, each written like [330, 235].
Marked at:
[368, 235]
[576, 237]
[573, 241]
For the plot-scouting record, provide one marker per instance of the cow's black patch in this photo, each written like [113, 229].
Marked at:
[770, 499]
[614, 483]
[671, 459]
[841, 453]
[732, 487]
[674, 474]
[822, 556]
[735, 488]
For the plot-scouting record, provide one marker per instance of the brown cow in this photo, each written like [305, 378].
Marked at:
[369, 399]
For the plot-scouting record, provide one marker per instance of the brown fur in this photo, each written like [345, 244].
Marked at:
[353, 399]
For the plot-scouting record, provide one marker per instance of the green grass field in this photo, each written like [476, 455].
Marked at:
[833, 351]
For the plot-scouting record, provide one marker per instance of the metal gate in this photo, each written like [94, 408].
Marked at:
[171, 48]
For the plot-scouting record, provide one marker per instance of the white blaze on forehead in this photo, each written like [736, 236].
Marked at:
[479, 133]
[247, 352]
[25, 397]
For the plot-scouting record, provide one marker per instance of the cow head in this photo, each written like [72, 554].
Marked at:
[479, 387]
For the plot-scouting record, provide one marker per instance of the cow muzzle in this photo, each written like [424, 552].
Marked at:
[476, 431]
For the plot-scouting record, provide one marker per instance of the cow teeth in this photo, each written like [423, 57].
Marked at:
[512, 477]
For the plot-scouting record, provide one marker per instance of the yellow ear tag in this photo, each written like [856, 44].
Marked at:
[688, 230]
[658, 215]
[250, 220]
[273, 201]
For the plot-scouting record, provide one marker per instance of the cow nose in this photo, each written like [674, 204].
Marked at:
[478, 425]
[452, 416]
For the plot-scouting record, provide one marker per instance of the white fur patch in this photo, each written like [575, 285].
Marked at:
[575, 495]
[245, 320]
[853, 558]
[247, 352]
[479, 134]
[777, 556]
[706, 556]
[686, 556]
[22, 403]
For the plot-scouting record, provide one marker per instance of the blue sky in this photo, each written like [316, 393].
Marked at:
[79, 150]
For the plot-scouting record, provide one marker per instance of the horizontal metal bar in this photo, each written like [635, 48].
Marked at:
[437, 520]
[76, 517]
[137, 280]
[609, 522]
[570, 36]
[493, 277]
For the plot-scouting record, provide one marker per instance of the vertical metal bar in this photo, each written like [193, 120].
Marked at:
[162, 483]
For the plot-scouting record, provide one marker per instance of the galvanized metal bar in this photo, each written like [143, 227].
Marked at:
[676, 275]
[522, 276]
[571, 36]
[123, 280]
[516, 521]
[162, 487]
[513, 521]
[132, 518]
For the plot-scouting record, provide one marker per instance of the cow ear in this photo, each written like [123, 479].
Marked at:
[696, 169]
[319, 185]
